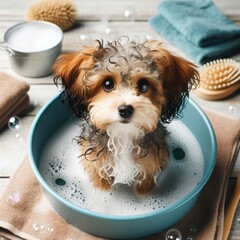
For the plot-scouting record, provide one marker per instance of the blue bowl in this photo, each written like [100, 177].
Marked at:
[54, 114]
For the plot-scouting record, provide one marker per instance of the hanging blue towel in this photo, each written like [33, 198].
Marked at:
[198, 28]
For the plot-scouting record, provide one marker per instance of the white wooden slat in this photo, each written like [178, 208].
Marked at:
[92, 10]
[95, 10]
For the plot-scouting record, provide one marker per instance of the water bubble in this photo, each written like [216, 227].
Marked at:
[36, 103]
[238, 221]
[49, 228]
[108, 30]
[21, 140]
[190, 238]
[14, 123]
[149, 37]
[173, 234]
[232, 108]
[85, 39]
[37, 226]
[129, 13]
[192, 229]
[14, 198]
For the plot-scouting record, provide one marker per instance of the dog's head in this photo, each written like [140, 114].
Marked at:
[127, 83]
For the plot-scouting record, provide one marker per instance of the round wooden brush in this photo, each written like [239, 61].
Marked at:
[61, 13]
[219, 79]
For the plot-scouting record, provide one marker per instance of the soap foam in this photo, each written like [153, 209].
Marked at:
[33, 37]
[59, 161]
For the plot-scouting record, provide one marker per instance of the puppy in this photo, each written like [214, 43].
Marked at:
[125, 92]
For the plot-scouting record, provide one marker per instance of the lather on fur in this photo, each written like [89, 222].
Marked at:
[125, 91]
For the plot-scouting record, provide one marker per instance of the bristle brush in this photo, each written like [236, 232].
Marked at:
[61, 13]
[219, 79]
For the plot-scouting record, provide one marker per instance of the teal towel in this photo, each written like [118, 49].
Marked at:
[198, 28]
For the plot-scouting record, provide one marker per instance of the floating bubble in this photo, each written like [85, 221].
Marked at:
[49, 228]
[173, 234]
[129, 13]
[21, 140]
[192, 229]
[37, 226]
[104, 22]
[232, 108]
[108, 30]
[14, 198]
[14, 123]
[85, 39]
[36, 103]
[238, 221]
[149, 37]
[190, 238]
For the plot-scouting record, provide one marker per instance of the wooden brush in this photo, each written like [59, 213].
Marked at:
[219, 79]
[59, 12]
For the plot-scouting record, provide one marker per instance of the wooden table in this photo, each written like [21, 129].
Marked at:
[96, 19]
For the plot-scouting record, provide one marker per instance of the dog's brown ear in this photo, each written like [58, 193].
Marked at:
[178, 77]
[69, 71]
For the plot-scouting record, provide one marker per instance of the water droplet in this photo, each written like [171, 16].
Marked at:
[37, 226]
[192, 229]
[107, 30]
[173, 234]
[178, 153]
[14, 198]
[49, 228]
[85, 39]
[14, 123]
[129, 13]
[21, 140]
[233, 109]
[238, 221]
[149, 37]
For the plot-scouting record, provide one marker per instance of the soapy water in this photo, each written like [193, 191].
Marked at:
[33, 37]
[60, 167]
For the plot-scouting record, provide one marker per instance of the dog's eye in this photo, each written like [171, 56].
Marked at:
[108, 84]
[143, 85]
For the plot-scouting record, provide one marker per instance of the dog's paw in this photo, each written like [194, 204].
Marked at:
[102, 184]
[145, 186]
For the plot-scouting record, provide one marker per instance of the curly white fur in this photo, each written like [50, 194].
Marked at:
[122, 143]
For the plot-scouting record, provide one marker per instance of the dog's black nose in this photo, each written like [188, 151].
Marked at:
[125, 111]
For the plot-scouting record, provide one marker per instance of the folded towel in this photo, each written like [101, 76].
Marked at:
[14, 99]
[26, 213]
[197, 28]
[200, 22]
